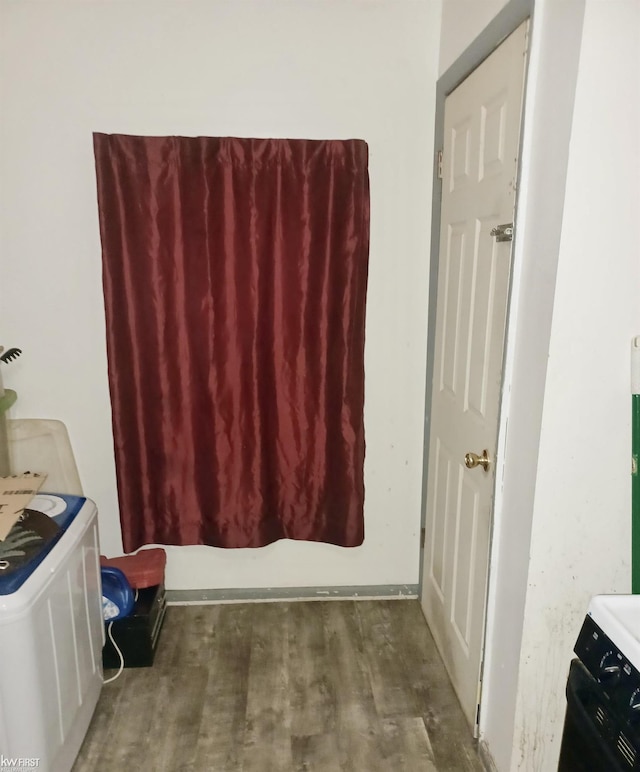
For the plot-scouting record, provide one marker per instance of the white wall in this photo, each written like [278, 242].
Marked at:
[462, 20]
[580, 543]
[283, 68]
[555, 42]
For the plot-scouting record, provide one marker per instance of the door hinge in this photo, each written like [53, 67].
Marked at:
[422, 538]
[439, 164]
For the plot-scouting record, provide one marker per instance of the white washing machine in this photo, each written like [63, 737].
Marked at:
[51, 639]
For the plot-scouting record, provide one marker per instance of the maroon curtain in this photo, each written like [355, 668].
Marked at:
[235, 275]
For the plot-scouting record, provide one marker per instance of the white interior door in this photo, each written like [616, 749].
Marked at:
[481, 137]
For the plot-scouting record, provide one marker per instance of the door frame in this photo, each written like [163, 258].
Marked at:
[514, 13]
[555, 39]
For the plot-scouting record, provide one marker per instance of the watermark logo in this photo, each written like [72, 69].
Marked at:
[17, 763]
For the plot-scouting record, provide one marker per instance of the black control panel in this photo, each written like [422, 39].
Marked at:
[618, 679]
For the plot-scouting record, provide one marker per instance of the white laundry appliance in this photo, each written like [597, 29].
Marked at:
[51, 639]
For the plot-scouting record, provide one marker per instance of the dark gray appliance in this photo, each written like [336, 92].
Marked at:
[602, 723]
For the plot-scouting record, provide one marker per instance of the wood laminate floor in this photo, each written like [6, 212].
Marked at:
[328, 686]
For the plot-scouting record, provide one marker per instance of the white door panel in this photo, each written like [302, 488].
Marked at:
[481, 134]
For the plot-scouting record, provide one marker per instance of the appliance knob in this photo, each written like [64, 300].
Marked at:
[634, 706]
[609, 670]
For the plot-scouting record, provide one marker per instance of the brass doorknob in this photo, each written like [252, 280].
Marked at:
[472, 460]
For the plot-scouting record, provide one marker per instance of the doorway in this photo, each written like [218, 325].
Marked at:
[478, 168]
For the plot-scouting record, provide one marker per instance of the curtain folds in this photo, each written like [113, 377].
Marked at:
[235, 275]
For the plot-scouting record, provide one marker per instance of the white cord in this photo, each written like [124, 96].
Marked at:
[117, 648]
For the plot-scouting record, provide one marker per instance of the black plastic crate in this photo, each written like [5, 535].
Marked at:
[137, 635]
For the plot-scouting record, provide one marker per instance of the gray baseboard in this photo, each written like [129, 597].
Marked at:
[240, 594]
